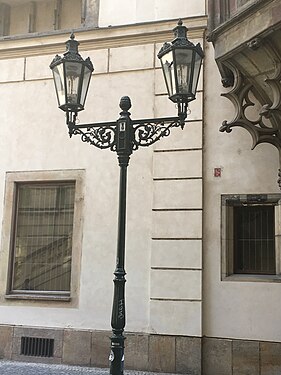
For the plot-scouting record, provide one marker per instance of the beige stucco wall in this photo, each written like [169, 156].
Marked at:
[36, 139]
[248, 310]
[164, 237]
[122, 12]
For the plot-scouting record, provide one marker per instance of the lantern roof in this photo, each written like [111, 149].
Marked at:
[180, 41]
[72, 54]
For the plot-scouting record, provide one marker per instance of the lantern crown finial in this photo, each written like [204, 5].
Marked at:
[72, 45]
[180, 31]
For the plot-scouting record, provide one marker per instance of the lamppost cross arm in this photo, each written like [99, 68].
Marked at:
[149, 131]
[143, 132]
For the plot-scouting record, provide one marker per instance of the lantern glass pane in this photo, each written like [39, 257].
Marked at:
[169, 73]
[197, 68]
[59, 83]
[72, 73]
[85, 84]
[183, 59]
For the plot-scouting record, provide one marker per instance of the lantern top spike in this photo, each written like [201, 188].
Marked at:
[180, 31]
[72, 46]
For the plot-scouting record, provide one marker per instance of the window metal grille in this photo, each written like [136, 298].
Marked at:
[37, 347]
[43, 237]
[254, 239]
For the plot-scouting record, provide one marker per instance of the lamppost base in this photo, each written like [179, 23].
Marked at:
[116, 357]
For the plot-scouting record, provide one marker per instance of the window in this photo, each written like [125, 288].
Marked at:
[4, 19]
[43, 216]
[250, 235]
[20, 17]
[254, 247]
[42, 241]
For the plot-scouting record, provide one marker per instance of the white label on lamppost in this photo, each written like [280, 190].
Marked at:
[122, 126]
[111, 356]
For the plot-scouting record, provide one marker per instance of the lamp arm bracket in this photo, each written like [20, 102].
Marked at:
[101, 135]
[144, 132]
[148, 131]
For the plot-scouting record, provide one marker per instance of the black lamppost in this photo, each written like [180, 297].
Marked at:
[181, 61]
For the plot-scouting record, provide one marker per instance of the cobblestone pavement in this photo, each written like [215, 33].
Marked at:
[23, 368]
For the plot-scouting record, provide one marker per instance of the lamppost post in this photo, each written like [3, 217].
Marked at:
[118, 318]
[181, 62]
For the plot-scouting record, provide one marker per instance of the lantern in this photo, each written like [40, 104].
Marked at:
[181, 63]
[72, 76]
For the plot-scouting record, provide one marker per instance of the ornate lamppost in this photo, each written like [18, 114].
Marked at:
[181, 61]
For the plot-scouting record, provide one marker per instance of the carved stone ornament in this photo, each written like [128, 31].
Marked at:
[266, 127]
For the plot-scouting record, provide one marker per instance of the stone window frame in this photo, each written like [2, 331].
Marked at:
[6, 256]
[227, 266]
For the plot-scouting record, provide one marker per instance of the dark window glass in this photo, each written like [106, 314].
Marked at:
[254, 244]
[42, 243]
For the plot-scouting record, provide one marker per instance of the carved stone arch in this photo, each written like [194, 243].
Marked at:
[248, 54]
[266, 127]
[260, 129]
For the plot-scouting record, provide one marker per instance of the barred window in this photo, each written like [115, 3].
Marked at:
[42, 228]
[250, 235]
[42, 241]
[254, 242]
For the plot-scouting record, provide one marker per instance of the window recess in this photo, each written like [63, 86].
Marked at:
[22, 17]
[4, 19]
[251, 236]
[42, 229]
[42, 238]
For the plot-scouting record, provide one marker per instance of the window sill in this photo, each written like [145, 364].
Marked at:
[38, 297]
[253, 278]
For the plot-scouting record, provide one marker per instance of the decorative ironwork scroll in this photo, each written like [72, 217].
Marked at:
[99, 135]
[147, 132]
[143, 132]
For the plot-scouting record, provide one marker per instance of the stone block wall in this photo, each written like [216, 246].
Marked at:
[150, 352]
[6, 338]
[240, 357]
[145, 352]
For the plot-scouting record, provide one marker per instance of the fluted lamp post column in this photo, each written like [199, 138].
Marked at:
[181, 61]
